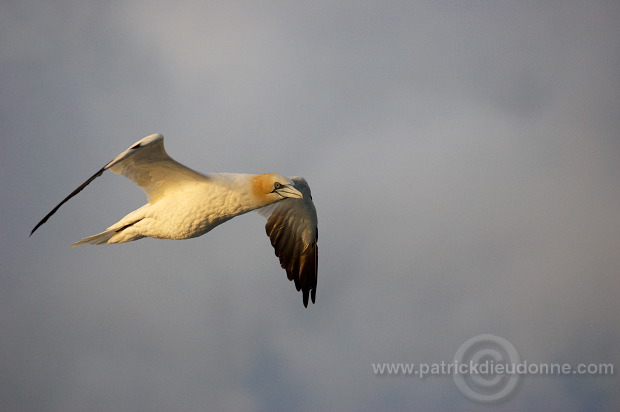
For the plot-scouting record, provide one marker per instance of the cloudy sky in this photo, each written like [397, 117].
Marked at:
[464, 161]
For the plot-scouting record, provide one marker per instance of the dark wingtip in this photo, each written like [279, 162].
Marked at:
[75, 192]
[38, 225]
[311, 293]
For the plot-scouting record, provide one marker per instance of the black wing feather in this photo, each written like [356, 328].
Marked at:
[75, 192]
[292, 229]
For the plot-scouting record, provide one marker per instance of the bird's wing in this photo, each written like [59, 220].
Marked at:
[147, 164]
[150, 167]
[292, 228]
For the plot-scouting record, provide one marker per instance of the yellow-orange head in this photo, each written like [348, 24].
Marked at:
[271, 187]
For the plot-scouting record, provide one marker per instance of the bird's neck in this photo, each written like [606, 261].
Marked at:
[239, 186]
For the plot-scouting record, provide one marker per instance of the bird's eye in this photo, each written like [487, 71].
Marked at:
[277, 185]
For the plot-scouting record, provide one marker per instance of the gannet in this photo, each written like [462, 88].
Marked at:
[184, 204]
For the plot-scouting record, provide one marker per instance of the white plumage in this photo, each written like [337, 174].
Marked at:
[183, 204]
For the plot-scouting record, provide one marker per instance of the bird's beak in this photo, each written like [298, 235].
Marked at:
[289, 191]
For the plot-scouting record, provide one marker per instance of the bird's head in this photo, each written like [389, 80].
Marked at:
[272, 187]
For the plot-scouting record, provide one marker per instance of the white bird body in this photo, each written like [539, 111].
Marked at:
[184, 204]
[190, 210]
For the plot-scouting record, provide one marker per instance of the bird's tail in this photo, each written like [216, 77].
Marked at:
[98, 239]
[113, 234]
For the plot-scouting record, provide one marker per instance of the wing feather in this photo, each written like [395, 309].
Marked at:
[292, 229]
[147, 164]
[75, 192]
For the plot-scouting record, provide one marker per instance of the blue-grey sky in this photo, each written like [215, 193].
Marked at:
[463, 158]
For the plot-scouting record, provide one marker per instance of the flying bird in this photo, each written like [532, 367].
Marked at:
[183, 204]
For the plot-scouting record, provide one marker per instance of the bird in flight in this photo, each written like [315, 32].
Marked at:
[184, 204]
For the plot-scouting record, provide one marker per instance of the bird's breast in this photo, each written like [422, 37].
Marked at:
[193, 211]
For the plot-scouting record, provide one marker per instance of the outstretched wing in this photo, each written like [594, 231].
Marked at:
[147, 164]
[150, 167]
[292, 228]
